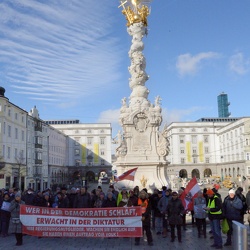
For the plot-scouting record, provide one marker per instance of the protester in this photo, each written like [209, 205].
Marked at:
[29, 197]
[109, 201]
[158, 216]
[175, 210]
[144, 202]
[5, 214]
[162, 206]
[232, 206]
[120, 195]
[99, 201]
[83, 199]
[132, 198]
[239, 193]
[125, 202]
[200, 214]
[15, 222]
[214, 210]
[248, 204]
[153, 200]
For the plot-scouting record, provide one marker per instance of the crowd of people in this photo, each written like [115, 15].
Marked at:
[162, 211]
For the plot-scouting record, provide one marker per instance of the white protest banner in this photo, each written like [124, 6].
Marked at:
[91, 222]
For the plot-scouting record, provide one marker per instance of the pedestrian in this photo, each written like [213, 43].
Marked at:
[15, 222]
[248, 204]
[144, 202]
[5, 214]
[200, 214]
[232, 206]
[239, 193]
[214, 209]
[83, 199]
[158, 216]
[162, 206]
[110, 201]
[175, 210]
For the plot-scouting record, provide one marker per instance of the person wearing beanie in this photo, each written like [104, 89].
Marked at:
[175, 211]
[214, 210]
[15, 223]
[232, 206]
[145, 204]
[109, 201]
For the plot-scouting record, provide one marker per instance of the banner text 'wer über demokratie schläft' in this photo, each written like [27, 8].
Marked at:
[90, 222]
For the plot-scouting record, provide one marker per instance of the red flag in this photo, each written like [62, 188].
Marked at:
[189, 194]
[128, 175]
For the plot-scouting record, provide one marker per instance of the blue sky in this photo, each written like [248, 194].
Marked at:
[70, 57]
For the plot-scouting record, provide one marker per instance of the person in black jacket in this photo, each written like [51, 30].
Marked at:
[109, 201]
[144, 202]
[83, 200]
[232, 206]
[175, 211]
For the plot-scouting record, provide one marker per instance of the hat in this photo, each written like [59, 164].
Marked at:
[231, 191]
[46, 194]
[210, 192]
[18, 194]
[214, 190]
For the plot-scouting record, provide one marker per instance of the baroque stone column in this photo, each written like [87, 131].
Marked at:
[141, 143]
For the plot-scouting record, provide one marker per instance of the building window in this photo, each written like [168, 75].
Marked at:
[182, 160]
[207, 160]
[102, 152]
[22, 135]
[89, 140]
[8, 153]
[15, 152]
[9, 130]
[77, 152]
[16, 116]
[16, 133]
[102, 140]
[194, 151]
[102, 162]
[247, 156]
[205, 138]
[182, 151]
[194, 160]
[3, 151]
[102, 131]
[194, 139]
[206, 150]
[9, 112]
[182, 139]
[22, 119]
[89, 131]
[247, 142]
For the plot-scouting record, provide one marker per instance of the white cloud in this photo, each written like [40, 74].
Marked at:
[58, 48]
[177, 115]
[239, 64]
[189, 65]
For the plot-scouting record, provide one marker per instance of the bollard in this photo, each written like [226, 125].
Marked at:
[239, 236]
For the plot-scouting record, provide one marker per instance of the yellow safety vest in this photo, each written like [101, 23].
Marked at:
[212, 205]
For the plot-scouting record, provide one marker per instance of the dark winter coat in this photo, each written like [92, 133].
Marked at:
[83, 201]
[147, 214]
[15, 213]
[232, 208]
[109, 203]
[248, 200]
[175, 209]
[29, 199]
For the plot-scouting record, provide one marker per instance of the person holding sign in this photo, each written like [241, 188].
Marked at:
[15, 223]
[5, 214]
